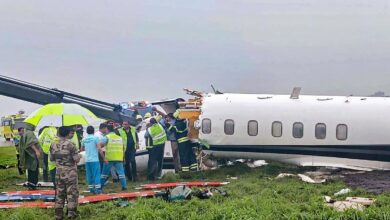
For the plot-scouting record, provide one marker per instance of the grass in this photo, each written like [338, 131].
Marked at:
[7, 155]
[254, 195]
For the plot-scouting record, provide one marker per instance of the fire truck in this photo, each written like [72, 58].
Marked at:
[10, 124]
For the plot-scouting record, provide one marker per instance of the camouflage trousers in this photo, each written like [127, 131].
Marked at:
[66, 190]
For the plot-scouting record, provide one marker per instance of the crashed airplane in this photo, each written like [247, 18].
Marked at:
[336, 131]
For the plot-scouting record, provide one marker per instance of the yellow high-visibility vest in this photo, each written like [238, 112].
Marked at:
[75, 141]
[115, 147]
[47, 137]
[123, 134]
[51, 165]
[157, 132]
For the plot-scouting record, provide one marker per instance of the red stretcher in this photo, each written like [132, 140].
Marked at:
[82, 200]
[30, 192]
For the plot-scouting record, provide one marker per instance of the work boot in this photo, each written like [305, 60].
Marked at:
[59, 214]
[31, 186]
[72, 213]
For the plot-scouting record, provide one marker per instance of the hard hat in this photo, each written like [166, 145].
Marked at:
[147, 115]
[138, 117]
[176, 114]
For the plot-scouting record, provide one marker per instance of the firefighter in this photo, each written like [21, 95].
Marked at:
[171, 134]
[187, 157]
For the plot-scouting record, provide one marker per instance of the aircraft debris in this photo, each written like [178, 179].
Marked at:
[344, 205]
[342, 192]
[310, 180]
[303, 177]
[232, 178]
[361, 200]
[358, 203]
[256, 163]
[328, 199]
[207, 193]
[179, 193]
[189, 184]
[6, 166]
[282, 175]
[123, 203]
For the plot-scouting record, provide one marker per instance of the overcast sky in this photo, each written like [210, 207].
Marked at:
[147, 50]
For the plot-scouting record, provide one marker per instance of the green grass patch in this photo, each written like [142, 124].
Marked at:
[8, 155]
[256, 194]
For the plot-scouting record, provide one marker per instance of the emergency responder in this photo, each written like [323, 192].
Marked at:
[114, 174]
[64, 153]
[100, 135]
[171, 134]
[130, 139]
[46, 139]
[115, 155]
[78, 135]
[30, 152]
[16, 140]
[187, 156]
[93, 148]
[139, 122]
[156, 138]
[51, 166]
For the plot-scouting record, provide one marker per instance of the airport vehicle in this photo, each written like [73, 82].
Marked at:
[10, 124]
[338, 131]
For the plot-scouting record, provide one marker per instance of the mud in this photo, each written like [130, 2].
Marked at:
[375, 181]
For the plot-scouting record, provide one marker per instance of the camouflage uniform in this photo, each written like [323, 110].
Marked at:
[64, 153]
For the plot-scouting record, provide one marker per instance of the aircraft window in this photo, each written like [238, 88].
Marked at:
[206, 126]
[298, 130]
[320, 131]
[229, 127]
[253, 128]
[277, 129]
[342, 132]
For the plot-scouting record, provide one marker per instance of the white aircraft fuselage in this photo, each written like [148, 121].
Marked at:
[350, 132]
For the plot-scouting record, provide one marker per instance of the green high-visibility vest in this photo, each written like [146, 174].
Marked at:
[114, 148]
[47, 137]
[75, 141]
[158, 134]
[123, 134]
[51, 165]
